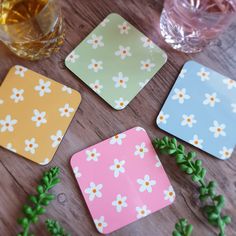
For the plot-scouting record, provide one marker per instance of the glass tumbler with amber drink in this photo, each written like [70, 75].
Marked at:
[32, 29]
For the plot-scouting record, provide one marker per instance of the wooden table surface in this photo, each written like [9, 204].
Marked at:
[95, 121]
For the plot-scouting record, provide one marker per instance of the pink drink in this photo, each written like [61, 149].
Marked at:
[189, 25]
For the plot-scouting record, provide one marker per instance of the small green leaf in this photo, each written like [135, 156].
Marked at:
[33, 199]
[174, 141]
[203, 173]
[183, 167]
[40, 189]
[189, 230]
[166, 140]
[195, 178]
[226, 219]
[176, 233]
[170, 151]
[191, 155]
[181, 147]
[189, 171]
[213, 216]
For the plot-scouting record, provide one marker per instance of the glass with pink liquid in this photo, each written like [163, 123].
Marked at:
[189, 25]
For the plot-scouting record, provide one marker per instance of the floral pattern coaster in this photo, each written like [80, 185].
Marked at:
[35, 113]
[122, 180]
[116, 61]
[201, 110]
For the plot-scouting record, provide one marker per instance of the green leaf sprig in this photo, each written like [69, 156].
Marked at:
[182, 228]
[39, 201]
[206, 190]
[55, 229]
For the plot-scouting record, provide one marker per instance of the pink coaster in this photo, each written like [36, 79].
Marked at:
[122, 180]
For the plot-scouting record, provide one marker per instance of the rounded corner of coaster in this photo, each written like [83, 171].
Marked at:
[45, 162]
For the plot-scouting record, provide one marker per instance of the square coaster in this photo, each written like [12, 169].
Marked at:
[122, 180]
[201, 110]
[116, 61]
[35, 113]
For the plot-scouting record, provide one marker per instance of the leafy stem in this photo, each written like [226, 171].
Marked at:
[55, 229]
[194, 168]
[39, 201]
[182, 228]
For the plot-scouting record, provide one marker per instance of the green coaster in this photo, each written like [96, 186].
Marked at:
[116, 61]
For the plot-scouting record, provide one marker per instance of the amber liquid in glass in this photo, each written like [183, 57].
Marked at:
[32, 29]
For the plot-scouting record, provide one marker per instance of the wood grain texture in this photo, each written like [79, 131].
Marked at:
[96, 121]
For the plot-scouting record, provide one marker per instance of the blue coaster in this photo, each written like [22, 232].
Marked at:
[201, 110]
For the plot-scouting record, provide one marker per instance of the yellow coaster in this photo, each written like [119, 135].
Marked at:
[35, 113]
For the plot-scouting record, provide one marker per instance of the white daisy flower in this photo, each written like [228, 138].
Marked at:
[144, 83]
[100, 224]
[182, 73]
[141, 150]
[124, 28]
[123, 52]
[20, 70]
[94, 191]
[147, 43]
[230, 83]
[45, 162]
[96, 66]
[188, 120]
[118, 167]
[39, 117]
[120, 203]
[226, 153]
[66, 110]
[142, 211]
[121, 103]
[66, 89]
[104, 22]
[158, 163]
[10, 147]
[203, 74]
[57, 138]
[76, 172]
[120, 80]
[146, 184]
[218, 129]
[17, 95]
[95, 41]
[162, 118]
[140, 129]
[92, 155]
[117, 139]
[180, 95]
[7, 124]
[147, 65]
[211, 99]
[43, 87]
[96, 86]
[169, 194]
[1, 101]
[196, 141]
[72, 57]
[31, 145]
[233, 107]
